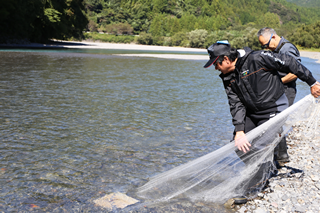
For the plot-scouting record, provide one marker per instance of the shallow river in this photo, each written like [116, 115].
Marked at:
[79, 124]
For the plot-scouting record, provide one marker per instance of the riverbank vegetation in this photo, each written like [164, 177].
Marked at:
[40, 20]
[198, 23]
[188, 23]
[94, 36]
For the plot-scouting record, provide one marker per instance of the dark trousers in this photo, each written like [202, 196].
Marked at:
[281, 149]
[290, 93]
[266, 169]
[252, 121]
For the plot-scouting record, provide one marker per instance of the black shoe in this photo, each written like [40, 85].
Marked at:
[240, 200]
[281, 152]
[283, 158]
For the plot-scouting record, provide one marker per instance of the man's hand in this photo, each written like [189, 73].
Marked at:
[315, 90]
[241, 141]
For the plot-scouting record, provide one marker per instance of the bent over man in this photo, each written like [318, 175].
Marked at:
[254, 89]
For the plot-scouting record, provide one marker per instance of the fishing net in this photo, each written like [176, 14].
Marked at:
[228, 172]
[310, 126]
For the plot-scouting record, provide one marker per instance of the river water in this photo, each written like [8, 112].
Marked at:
[79, 124]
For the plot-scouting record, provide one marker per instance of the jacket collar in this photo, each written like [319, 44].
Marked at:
[243, 54]
[242, 59]
[280, 44]
[227, 77]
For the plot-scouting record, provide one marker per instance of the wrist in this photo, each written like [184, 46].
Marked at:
[315, 83]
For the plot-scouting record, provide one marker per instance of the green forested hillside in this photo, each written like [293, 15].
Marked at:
[166, 17]
[39, 20]
[193, 23]
[306, 3]
[196, 23]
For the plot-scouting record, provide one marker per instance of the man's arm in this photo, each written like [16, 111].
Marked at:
[288, 78]
[291, 50]
[237, 109]
[238, 112]
[288, 64]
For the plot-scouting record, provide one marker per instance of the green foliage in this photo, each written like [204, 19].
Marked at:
[161, 22]
[167, 17]
[109, 38]
[159, 6]
[175, 26]
[156, 27]
[39, 20]
[306, 3]
[307, 36]
[199, 23]
[197, 38]
[179, 39]
[287, 14]
[270, 20]
[117, 29]
[52, 14]
[158, 40]
[237, 38]
[145, 38]
[92, 26]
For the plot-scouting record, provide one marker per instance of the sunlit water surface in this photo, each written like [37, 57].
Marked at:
[77, 125]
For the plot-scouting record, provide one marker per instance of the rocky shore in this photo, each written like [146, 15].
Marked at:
[296, 187]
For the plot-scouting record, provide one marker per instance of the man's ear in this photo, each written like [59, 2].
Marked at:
[227, 59]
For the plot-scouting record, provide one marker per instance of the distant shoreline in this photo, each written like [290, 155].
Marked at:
[308, 54]
[102, 45]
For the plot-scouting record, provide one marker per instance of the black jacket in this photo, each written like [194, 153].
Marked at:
[255, 85]
[285, 47]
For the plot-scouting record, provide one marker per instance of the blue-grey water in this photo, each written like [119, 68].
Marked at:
[79, 124]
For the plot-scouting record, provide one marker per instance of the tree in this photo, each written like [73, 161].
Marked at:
[156, 26]
[159, 6]
[175, 26]
[197, 38]
[40, 20]
[270, 20]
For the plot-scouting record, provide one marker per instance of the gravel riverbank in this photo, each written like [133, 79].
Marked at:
[296, 187]
[117, 46]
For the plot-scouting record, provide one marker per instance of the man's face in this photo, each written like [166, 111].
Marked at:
[269, 42]
[225, 66]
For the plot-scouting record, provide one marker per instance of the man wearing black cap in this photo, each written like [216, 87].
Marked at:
[254, 89]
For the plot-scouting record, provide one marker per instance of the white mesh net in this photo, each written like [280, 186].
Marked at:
[228, 172]
[312, 124]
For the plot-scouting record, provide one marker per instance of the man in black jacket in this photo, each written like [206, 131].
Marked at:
[269, 39]
[254, 89]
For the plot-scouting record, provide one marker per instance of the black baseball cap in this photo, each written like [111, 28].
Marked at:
[217, 49]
